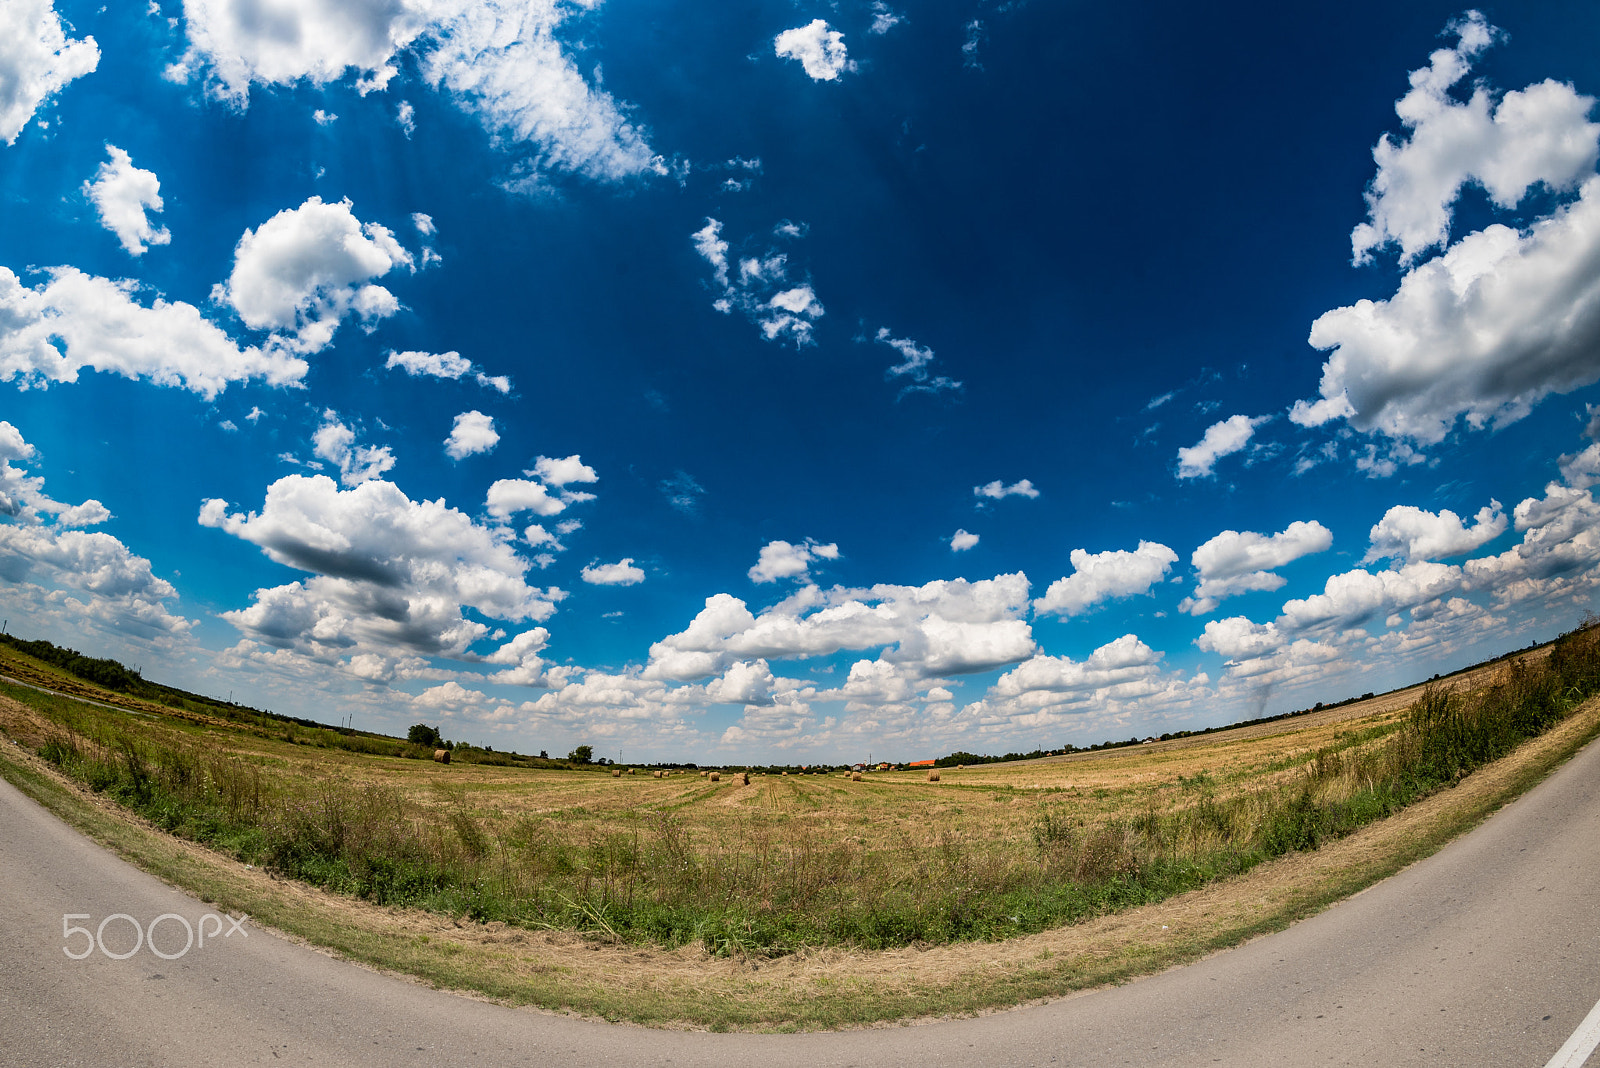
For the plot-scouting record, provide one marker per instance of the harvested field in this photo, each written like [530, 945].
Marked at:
[793, 866]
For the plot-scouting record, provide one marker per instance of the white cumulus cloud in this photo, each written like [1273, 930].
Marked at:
[1406, 533]
[745, 682]
[124, 195]
[1540, 134]
[1263, 654]
[946, 627]
[1054, 692]
[1558, 557]
[471, 433]
[1118, 661]
[432, 364]
[708, 241]
[819, 48]
[387, 572]
[51, 332]
[305, 269]
[780, 559]
[40, 559]
[237, 44]
[1236, 562]
[998, 490]
[37, 60]
[448, 365]
[1103, 576]
[621, 573]
[508, 496]
[1220, 439]
[1484, 331]
[22, 496]
[336, 443]
[1354, 597]
[553, 471]
[962, 541]
[1504, 316]
[790, 313]
[1582, 469]
[88, 514]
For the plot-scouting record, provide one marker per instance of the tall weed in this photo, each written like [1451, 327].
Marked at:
[774, 885]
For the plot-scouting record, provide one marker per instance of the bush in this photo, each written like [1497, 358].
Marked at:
[425, 736]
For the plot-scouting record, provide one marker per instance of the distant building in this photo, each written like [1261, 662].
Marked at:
[920, 764]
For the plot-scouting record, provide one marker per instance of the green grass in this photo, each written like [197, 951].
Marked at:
[564, 978]
[771, 883]
[615, 826]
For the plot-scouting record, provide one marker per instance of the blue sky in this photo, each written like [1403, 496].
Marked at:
[801, 381]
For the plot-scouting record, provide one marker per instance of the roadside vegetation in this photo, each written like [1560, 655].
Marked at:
[792, 861]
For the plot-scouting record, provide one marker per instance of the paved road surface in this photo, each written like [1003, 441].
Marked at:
[1487, 954]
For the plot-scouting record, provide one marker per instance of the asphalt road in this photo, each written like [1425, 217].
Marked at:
[1486, 954]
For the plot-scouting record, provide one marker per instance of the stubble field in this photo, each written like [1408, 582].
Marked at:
[789, 868]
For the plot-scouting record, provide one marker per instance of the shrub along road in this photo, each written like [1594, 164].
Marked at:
[1487, 953]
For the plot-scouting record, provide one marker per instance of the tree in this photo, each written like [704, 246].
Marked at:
[422, 734]
[581, 755]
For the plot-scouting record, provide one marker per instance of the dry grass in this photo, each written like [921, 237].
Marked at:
[829, 988]
[798, 872]
[792, 862]
[999, 802]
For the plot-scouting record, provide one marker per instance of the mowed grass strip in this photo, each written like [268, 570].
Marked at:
[1096, 835]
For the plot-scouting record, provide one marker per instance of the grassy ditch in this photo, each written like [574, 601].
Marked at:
[795, 862]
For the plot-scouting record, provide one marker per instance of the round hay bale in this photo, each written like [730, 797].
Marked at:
[961, 767]
[743, 780]
[783, 773]
[442, 755]
[855, 776]
[657, 774]
[633, 771]
[933, 774]
[715, 776]
[703, 774]
[616, 773]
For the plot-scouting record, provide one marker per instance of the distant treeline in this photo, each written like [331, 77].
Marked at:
[963, 758]
[117, 677]
[108, 673]
[974, 758]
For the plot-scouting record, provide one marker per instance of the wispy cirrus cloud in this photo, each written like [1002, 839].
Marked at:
[501, 61]
[759, 288]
